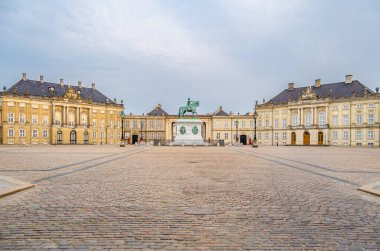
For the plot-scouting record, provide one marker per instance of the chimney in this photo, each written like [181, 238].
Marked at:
[348, 79]
[41, 78]
[93, 86]
[318, 83]
[290, 86]
[80, 84]
[24, 76]
[61, 82]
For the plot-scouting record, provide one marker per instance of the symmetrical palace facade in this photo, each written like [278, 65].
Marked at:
[39, 112]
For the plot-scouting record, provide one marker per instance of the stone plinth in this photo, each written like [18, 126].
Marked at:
[188, 132]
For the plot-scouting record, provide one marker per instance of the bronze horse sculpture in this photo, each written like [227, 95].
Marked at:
[190, 107]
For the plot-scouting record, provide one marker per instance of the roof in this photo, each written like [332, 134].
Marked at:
[334, 90]
[157, 111]
[220, 112]
[41, 89]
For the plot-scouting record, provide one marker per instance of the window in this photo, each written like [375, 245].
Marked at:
[45, 133]
[345, 135]
[251, 123]
[45, 107]
[44, 120]
[102, 123]
[57, 118]
[22, 118]
[226, 135]
[143, 135]
[10, 118]
[226, 124]
[111, 135]
[158, 135]
[276, 123]
[127, 124]
[84, 120]
[371, 105]
[345, 120]
[71, 119]
[11, 133]
[93, 122]
[284, 135]
[276, 135]
[370, 119]
[118, 135]
[151, 135]
[35, 106]
[142, 124]
[359, 106]
[118, 123]
[134, 124]
[266, 136]
[260, 123]
[259, 135]
[35, 133]
[371, 134]
[335, 120]
[295, 119]
[276, 112]
[345, 107]
[218, 135]
[243, 124]
[22, 104]
[335, 108]
[102, 135]
[111, 123]
[151, 124]
[111, 112]
[284, 122]
[359, 119]
[34, 119]
[335, 135]
[267, 123]
[22, 133]
[308, 119]
[284, 111]
[94, 135]
[322, 118]
[359, 135]
[159, 124]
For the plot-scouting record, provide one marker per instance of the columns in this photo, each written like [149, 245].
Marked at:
[53, 115]
[89, 117]
[315, 116]
[77, 117]
[327, 115]
[301, 121]
[299, 116]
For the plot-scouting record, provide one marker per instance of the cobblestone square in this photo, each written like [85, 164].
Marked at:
[193, 198]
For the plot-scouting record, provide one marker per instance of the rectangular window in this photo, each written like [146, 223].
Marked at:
[267, 123]
[127, 124]
[345, 120]
[102, 135]
[276, 135]
[134, 124]
[266, 136]
[335, 108]
[57, 118]
[243, 124]
[284, 135]
[158, 135]
[226, 135]
[151, 124]
[118, 135]
[371, 105]
[276, 123]
[93, 122]
[84, 120]
[226, 124]
[370, 119]
[143, 135]
[218, 135]
[259, 135]
[276, 112]
[22, 118]
[45, 120]
[371, 134]
[111, 122]
[346, 135]
[359, 106]
[159, 124]
[34, 119]
[45, 134]
[35, 133]
[284, 123]
[345, 107]
[35, 106]
[359, 119]
[102, 123]
[11, 133]
[251, 123]
[45, 107]
[335, 120]
[118, 123]
[295, 120]
[259, 124]
[111, 135]
[22, 133]
[335, 135]
[359, 135]
[71, 119]
[94, 135]
[151, 135]
[11, 118]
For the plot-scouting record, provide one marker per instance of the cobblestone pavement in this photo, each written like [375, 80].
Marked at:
[217, 198]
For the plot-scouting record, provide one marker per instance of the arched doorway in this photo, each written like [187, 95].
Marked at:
[73, 137]
[85, 137]
[59, 137]
[243, 139]
[306, 138]
[320, 138]
[135, 138]
[293, 138]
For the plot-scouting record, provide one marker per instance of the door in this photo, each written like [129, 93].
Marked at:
[73, 137]
[293, 138]
[135, 138]
[306, 138]
[243, 139]
[85, 137]
[59, 137]
[320, 138]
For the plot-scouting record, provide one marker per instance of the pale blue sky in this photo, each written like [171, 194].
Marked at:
[227, 53]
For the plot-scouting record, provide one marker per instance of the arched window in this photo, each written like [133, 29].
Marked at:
[73, 137]
[308, 119]
[295, 119]
[59, 137]
[322, 118]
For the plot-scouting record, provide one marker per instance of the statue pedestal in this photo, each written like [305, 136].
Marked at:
[189, 132]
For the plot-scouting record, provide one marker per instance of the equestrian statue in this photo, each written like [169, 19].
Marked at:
[191, 106]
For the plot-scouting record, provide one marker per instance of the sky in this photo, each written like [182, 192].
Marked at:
[221, 53]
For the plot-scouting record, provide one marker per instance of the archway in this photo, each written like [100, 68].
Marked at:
[73, 137]
[135, 138]
[243, 139]
[306, 138]
[293, 138]
[320, 138]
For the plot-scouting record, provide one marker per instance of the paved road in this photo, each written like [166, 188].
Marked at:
[271, 198]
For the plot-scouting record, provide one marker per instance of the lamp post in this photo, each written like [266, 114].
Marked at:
[254, 144]
[122, 140]
[237, 132]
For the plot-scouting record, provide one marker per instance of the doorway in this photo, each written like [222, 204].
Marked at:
[306, 138]
[135, 138]
[243, 139]
[73, 137]
[293, 138]
[320, 138]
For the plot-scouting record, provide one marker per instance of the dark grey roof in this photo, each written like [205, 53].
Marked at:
[334, 90]
[36, 88]
[220, 112]
[158, 111]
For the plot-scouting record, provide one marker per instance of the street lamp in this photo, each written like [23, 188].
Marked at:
[237, 133]
[255, 115]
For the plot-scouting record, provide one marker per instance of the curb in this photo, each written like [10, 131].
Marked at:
[21, 185]
[370, 188]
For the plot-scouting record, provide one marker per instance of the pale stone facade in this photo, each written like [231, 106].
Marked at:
[347, 116]
[31, 114]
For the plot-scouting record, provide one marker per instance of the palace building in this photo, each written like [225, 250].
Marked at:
[39, 112]
[343, 113]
